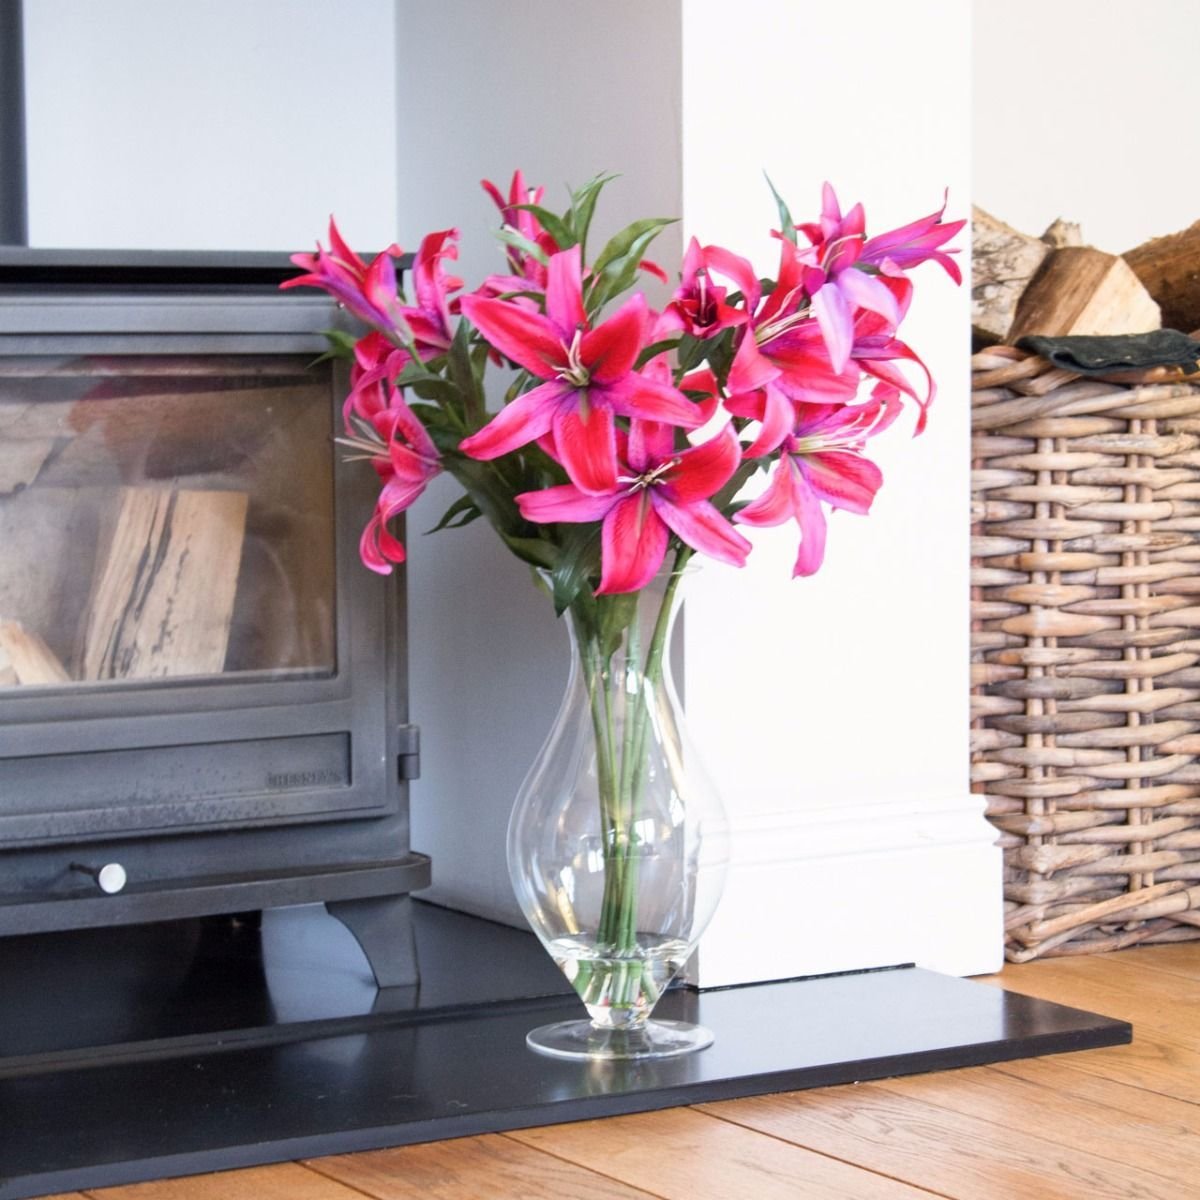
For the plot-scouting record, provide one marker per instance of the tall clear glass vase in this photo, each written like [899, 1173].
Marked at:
[618, 842]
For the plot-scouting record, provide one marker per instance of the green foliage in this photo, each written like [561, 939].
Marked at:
[615, 268]
[786, 225]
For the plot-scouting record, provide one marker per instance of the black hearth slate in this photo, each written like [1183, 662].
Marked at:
[460, 1068]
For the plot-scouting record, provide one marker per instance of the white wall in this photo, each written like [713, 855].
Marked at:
[563, 91]
[1084, 109]
[217, 125]
[834, 709]
[151, 126]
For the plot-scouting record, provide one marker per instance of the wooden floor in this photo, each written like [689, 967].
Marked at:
[1096, 1124]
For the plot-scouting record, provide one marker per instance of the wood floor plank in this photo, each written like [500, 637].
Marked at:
[1148, 1109]
[1182, 958]
[490, 1167]
[1018, 1107]
[284, 1181]
[684, 1154]
[950, 1153]
[1150, 999]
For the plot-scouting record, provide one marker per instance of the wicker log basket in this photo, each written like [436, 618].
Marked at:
[1086, 651]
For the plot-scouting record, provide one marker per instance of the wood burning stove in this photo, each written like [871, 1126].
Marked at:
[202, 693]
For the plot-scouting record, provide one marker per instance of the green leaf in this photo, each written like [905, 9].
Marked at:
[558, 228]
[615, 614]
[616, 268]
[579, 561]
[520, 242]
[583, 204]
[465, 376]
[787, 225]
[462, 512]
[633, 237]
[341, 345]
[655, 349]
[535, 551]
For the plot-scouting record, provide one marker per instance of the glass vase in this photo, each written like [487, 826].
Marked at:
[618, 842]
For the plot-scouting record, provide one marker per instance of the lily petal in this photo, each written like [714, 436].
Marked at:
[525, 336]
[564, 292]
[777, 502]
[610, 350]
[701, 471]
[525, 420]
[633, 543]
[587, 446]
[638, 395]
[837, 324]
[812, 531]
[650, 442]
[563, 503]
[843, 479]
[703, 528]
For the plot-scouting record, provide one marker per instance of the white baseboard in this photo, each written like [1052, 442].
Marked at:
[811, 892]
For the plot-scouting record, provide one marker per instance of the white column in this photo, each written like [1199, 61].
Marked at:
[833, 710]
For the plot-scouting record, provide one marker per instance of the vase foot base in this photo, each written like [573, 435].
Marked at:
[583, 1040]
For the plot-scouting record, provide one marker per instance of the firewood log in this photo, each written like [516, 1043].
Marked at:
[1169, 267]
[163, 597]
[1079, 289]
[28, 658]
[1003, 260]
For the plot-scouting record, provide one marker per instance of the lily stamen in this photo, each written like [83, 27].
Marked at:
[575, 373]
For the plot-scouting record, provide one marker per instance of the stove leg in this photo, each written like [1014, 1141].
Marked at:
[382, 925]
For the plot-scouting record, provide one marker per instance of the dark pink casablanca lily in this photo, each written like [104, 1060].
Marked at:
[588, 377]
[791, 366]
[659, 491]
[822, 461]
[377, 362]
[910, 245]
[525, 271]
[835, 277]
[429, 319]
[698, 306]
[370, 292]
[405, 459]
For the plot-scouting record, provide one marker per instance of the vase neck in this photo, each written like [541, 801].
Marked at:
[629, 633]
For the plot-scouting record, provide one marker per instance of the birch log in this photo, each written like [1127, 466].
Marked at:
[1003, 260]
[28, 658]
[163, 596]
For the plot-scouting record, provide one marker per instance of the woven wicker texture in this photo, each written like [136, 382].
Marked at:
[1086, 652]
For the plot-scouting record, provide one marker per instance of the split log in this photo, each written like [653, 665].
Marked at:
[1169, 267]
[1060, 233]
[20, 463]
[1003, 260]
[163, 597]
[28, 657]
[1080, 290]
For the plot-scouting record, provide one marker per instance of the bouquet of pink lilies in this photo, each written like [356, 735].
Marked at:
[627, 434]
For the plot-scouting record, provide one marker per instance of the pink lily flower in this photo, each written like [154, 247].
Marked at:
[588, 377]
[366, 290]
[822, 462]
[659, 492]
[910, 245]
[525, 269]
[429, 319]
[698, 306]
[838, 289]
[405, 459]
[376, 363]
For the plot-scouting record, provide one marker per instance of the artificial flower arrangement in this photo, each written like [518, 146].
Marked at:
[625, 440]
